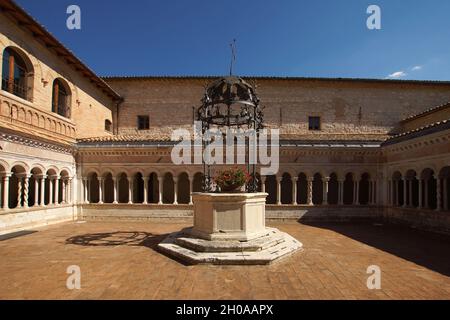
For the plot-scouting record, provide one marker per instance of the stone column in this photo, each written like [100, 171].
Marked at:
[263, 183]
[356, 191]
[410, 191]
[116, 189]
[85, 190]
[130, 190]
[26, 183]
[89, 193]
[64, 191]
[191, 189]
[426, 205]
[445, 194]
[19, 191]
[42, 189]
[405, 188]
[69, 191]
[310, 191]
[341, 192]
[294, 190]
[326, 181]
[278, 190]
[438, 194]
[100, 189]
[57, 190]
[5, 179]
[369, 200]
[420, 195]
[36, 191]
[160, 189]
[175, 190]
[145, 190]
[374, 192]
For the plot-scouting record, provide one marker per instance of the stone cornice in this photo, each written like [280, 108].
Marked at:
[35, 143]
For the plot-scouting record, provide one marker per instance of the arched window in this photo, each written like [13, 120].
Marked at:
[15, 73]
[60, 99]
[108, 125]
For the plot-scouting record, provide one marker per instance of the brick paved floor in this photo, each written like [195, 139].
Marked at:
[118, 261]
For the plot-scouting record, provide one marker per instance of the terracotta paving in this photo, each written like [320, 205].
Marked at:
[118, 261]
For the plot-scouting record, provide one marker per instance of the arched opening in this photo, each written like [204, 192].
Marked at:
[62, 186]
[430, 184]
[349, 186]
[286, 189]
[271, 189]
[444, 175]
[317, 185]
[17, 73]
[123, 187]
[302, 189]
[108, 188]
[16, 187]
[93, 188]
[364, 189]
[108, 125]
[412, 193]
[61, 98]
[198, 179]
[333, 189]
[34, 195]
[153, 188]
[138, 188]
[183, 185]
[168, 188]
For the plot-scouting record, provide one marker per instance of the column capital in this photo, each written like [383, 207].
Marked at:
[145, 178]
[326, 179]
[310, 179]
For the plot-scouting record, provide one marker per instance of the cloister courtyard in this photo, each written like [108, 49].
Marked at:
[119, 260]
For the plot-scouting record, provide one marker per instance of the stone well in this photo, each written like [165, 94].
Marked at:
[229, 228]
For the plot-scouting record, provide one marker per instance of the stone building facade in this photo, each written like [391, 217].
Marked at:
[77, 146]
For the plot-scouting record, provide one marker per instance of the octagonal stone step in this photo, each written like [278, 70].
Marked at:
[264, 256]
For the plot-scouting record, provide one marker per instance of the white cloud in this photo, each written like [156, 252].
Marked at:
[397, 75]
[416, 68]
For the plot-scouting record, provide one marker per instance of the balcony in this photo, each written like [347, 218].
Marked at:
[20, 115]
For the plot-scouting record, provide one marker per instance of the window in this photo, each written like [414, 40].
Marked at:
[60, 99]
[314, 123]
[108, 125]
[143, 122]
[14, 74]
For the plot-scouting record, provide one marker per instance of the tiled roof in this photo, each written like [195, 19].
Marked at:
[428, 111]
[428, 129]
[31, 25]
[200, 77]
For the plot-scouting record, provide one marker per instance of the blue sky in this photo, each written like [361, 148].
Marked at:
[323, 38]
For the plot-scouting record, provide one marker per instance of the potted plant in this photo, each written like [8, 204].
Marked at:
[231, 180]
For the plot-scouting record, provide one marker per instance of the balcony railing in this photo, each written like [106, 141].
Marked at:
[23, 116]
[15, 87]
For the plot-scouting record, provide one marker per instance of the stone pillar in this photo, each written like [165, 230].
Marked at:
[69, 191]
[191, 189]
[426, 205]
[310, 191]
[263, 183]
[374, 192]
[438, 194]
[145, 190]
[356, 193]
[326, 181]
[57, 190]
[19, 191]
[160, 189]
[130, 190]
[410, 191]
[42, 189]
[278, 190]
[340, 192]
[26, 183]
[369, 200]
[89, 184]
[5, 205]
[115, 190]
[294, 190]
[445, 194]
[175, 190]
[420, 194]
[100, 189]
[36, 191]
[85, 190]
[405, 188]
[64, 191]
